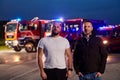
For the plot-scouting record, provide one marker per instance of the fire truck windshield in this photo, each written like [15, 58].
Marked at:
[11, 27]
[23, 27]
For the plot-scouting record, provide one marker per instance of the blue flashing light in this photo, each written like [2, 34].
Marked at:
[18, 19]
[73, 30]
[101, 28]
[59, 19]
[106, 27]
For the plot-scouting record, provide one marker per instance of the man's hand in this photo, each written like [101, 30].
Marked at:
[98, 74]
[69, 74]
[43, 75]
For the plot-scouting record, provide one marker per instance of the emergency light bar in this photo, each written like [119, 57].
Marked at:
[16, 20]
[106, 27]
[60, 19]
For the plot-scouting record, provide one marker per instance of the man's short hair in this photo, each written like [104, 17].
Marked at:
[86, 20]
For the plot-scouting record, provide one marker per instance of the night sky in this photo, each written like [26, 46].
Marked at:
[108, 10]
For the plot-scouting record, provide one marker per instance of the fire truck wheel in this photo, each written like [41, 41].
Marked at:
[17, 48]
[29, 47]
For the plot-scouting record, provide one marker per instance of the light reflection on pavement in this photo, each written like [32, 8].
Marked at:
[113, 58]
[7, 57]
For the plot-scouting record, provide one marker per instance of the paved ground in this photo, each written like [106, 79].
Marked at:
[112, 72]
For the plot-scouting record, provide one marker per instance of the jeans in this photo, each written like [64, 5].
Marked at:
[90, 76]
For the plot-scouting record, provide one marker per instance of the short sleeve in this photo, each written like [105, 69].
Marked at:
[41, 43]
[67, 44]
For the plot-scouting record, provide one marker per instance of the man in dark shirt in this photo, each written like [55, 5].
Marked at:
[89, 55]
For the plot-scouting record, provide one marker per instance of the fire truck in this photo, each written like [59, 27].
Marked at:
[25, 33]
[72, 28]
[111, 37]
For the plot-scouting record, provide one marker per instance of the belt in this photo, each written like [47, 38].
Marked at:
[84, 73]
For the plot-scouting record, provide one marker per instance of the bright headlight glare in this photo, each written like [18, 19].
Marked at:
[5, 41]
[105, 42]
[15, 42]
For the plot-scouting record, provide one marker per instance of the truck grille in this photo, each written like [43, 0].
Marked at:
[10, 36]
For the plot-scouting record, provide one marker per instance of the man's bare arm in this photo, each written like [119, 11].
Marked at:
[69, 61]
[69, 56]
[40, 63]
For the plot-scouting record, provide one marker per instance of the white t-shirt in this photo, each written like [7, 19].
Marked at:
[54, 51]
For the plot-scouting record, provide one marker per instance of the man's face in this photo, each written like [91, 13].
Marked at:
[56, 29]
[87, 28]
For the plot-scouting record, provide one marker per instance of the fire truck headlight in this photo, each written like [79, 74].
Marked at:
[15, 42]
[105, 42]
[6, 43]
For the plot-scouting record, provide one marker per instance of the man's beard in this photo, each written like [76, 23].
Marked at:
[54, 33]
[87, 33]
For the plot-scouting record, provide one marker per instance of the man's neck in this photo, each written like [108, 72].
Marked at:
[88, 35]
[55, 35]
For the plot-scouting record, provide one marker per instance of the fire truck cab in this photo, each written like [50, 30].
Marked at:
[25, 34]
[111, 37]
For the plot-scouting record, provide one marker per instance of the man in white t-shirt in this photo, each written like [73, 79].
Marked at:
[55, 49]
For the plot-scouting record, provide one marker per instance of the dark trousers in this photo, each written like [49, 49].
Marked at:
[56, 74]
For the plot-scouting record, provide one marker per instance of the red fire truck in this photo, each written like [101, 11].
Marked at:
[72, 28]
[25, 33]
[111, 37]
